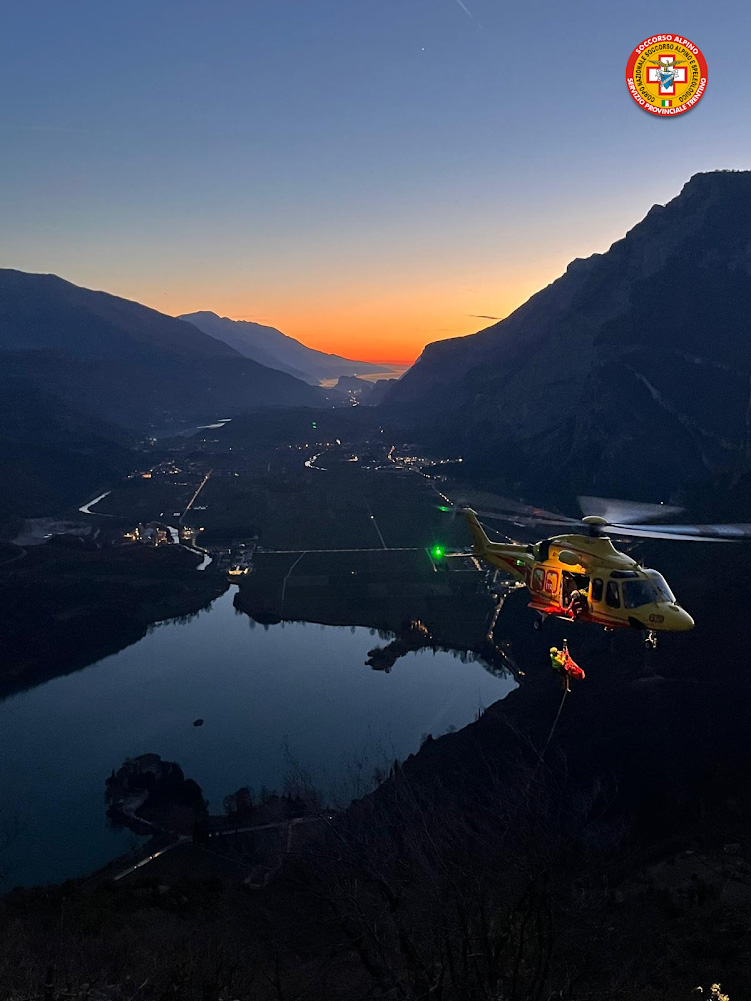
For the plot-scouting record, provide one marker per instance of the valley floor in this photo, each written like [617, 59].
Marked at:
[605, 855]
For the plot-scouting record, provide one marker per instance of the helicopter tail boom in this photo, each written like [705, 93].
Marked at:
[481, 542]
[509, 557]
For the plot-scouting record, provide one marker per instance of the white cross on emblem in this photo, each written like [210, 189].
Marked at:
[667, 74]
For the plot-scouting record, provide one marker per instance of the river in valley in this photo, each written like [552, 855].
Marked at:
[269, 696]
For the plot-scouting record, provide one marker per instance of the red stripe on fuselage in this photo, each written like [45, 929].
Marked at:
[511, 562]
[597, 617]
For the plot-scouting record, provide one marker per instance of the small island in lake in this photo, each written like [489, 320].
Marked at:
[150, 796]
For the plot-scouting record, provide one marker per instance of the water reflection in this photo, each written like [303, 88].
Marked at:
[268, 695]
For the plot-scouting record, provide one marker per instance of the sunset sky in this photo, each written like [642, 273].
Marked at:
[366, 175]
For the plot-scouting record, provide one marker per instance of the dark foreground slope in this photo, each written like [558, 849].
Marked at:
[124, 362]
[601, 853]
[628, 376]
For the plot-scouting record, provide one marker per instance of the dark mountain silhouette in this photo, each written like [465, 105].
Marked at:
[629, 375]
[380, 388]
[351, 385]
[125, 362]
[44, 312]
[51, 455]
[271, 347]
[368, 393]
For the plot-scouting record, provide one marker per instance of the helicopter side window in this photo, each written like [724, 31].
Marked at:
[611, 594]
[538, 579]
[636, 593]
[597, 589]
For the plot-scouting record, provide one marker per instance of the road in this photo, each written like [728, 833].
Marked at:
[265, 827]
[286, 578]
[185, 839]
[311, 462]
[368, 549]
[182, 840]
[375, 523]
[207, 558]
[12, 559]
[192, 500]
[86, 508]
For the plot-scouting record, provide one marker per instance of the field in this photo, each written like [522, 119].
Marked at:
[379, 588]
[344, 507]
[145, 500]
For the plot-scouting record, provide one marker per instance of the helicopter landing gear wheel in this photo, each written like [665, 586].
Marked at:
[537, 624]
[650, 640]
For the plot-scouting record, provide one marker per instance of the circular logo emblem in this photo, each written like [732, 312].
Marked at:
[666, 74]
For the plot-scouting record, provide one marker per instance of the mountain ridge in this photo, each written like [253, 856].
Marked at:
[270, 346]
[125, 321]
[629, 373]
[125, 362]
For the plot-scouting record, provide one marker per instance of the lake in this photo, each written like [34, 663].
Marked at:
[269, 696]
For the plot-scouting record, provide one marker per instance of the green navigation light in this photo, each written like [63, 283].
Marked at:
[437, 552]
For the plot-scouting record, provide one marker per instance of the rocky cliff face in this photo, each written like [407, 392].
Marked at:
[630, 374]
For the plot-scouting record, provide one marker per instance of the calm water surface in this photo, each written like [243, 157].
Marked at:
[295, 690]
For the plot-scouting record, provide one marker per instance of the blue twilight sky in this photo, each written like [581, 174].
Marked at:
[364, 174]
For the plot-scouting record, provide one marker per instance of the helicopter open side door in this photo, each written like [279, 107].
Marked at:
[571, 582]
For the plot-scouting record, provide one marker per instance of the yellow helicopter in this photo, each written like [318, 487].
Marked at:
[581, 576]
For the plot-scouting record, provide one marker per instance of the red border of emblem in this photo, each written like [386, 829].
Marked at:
[659, 110]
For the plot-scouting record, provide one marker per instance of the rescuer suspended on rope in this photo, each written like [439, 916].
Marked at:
[567, 668]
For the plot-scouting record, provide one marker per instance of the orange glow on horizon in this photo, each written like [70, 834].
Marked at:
[383, 327]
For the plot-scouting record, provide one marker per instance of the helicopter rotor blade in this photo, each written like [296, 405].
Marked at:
[457, 507]
[501, 507]
[627, 519]
[625, 512]
[526, 520]
[684, 533]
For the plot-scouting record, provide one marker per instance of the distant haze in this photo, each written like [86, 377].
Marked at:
[269, 346]
[381, 372]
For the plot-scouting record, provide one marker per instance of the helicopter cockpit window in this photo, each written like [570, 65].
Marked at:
[597, 589]
[662, 586]
[538, 579]
[637, 592]
[611, 594]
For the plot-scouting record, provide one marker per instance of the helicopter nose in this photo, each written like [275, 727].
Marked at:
[679, 619]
